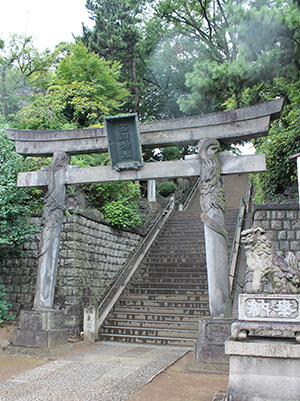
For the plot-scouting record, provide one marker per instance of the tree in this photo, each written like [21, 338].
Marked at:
[247, 52]
[85, 89]
[22, 69]
[116, 36]
[167, 63]
[238, 44]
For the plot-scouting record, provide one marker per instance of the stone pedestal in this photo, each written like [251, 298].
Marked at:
[212, 336]
[41, 329]
[263, 369]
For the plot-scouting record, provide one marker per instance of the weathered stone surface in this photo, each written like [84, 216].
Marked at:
[263, 370]
[41, 328]
[162, 170]
[40, 338]
[212, 336]
[264, 307]
[242, 330]
[212, 201]
[264, 262]
[228, 126]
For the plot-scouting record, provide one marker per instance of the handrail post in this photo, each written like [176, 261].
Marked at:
[90, 325]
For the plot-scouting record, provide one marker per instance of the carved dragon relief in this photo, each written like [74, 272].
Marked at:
[212, 195]
[263, 261]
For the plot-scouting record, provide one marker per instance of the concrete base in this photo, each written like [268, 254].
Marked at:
[263, 370]
[42, 352]
[210, 346]
[41, 329]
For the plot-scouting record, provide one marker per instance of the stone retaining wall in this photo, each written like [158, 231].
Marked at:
[282, 226]
[91, 256]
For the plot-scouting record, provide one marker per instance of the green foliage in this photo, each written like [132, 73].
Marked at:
[23, 69]
[171, 56]
[116, 36]
[101, 194]
[85, 89]
[282, 141]
[15, 203]
[171, 153]
[166, 188]
[5, 315]
[122, 213]
[237, 44]
[247, 52]
[63, 107]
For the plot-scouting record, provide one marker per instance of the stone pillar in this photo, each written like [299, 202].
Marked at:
[52, 223]
[151, 193]
[43, 327]
[212, 200]
[90, 325]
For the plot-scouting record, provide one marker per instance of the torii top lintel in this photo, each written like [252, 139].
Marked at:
[246, 123]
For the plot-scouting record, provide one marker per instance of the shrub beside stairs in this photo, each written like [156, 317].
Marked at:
[168, 295]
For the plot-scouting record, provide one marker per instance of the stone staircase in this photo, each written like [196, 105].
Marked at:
[168, 294]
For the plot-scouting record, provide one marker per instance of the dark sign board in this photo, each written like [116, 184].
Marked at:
[123, 142]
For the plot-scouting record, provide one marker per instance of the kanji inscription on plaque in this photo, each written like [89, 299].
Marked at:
[123, 141]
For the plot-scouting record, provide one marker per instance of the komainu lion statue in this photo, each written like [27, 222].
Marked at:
[262, 260]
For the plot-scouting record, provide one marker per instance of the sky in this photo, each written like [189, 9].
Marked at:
[49, 22]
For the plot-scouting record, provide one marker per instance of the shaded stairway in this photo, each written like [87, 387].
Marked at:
[168, 294]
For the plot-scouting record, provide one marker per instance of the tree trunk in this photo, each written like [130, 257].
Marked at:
[134, 80]
[3, 93]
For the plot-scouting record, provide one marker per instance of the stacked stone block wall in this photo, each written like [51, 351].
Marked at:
[92, 255]
[282, 226]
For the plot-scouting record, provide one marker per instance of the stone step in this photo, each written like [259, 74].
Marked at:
[158, 316]
[166, 281]
[179, 265]
[179, 251]
[170, 258]
[165, 304]
[171, 310]
[192, 325]
[180, 243]
[148, 339]
[166, 291]
[149, 331]
[169, 286]
[166, 298]
[167, 275]
[183, 236]
[196, 266]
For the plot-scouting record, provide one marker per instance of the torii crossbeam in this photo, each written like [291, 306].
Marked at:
[246, 123]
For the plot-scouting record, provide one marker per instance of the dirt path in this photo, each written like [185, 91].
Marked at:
[178, 383]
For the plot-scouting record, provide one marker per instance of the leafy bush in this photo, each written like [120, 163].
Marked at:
[5, 315]
[171, 153]
[117, 201]
[15, 203]
[122, 213]
[166, 188]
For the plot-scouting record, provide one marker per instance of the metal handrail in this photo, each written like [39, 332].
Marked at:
[193, 190]
[244, 206]
[121, 277]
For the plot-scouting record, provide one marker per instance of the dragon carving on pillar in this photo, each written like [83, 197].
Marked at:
[212, 195]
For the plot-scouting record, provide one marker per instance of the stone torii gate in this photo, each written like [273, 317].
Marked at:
[42, 327]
